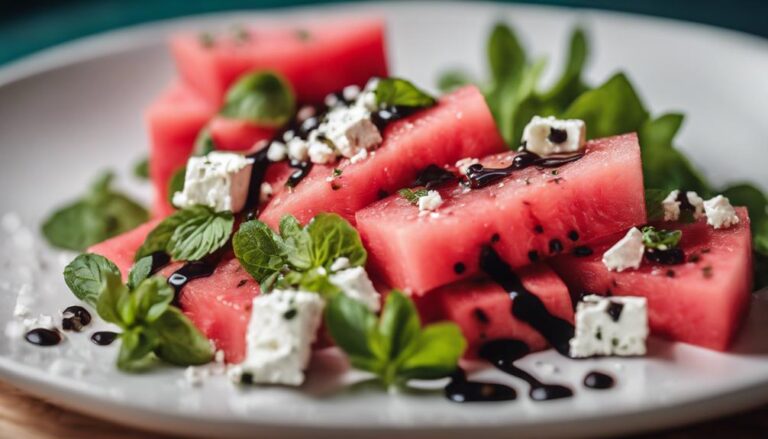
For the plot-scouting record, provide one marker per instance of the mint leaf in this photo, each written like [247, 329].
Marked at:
[399, 324]
[202, 233]
[135, 350]
[653, 208]
[262, 97]
[258, 249]
[296, 243]
[332, 237]
[311, 280]
[180, 342]
[141, 169]
[152, 298]
[176, 184]
[506, 56]
[86, 274]
[353, 327]
[452, 79]
[660, 239]
[411, 195]
[139, 271]
[157, 240]
[112, 292]
[434, 354]
[203, 143]
[570, 84]
[397, 92]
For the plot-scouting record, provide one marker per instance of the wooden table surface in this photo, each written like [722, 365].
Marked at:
[23, 416]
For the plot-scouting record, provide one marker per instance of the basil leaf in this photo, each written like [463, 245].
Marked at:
[136, 350]
[434, 354]
[296, 243]
[111, 293]
[180, 342]
[86, 274]
[396, 92]
[660, 239]
[176, 184]
[263, 97]
[399, 324]
[201, 234]
[153, 297]
[139, 271]
[141, 169]
[352, 325]
[411, 195]
[332, 237]
[203, 143]
[451, 80]
[258, 250]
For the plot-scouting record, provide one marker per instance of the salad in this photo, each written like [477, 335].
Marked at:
[306, 199]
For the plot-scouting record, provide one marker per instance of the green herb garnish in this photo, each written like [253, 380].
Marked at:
[394, 347]
[412, 196]
[204, 143]
[176, 184]
[660, 239]
[141, 169]
[262, 97]
[99, 215]
[396, 92]
[189, 234]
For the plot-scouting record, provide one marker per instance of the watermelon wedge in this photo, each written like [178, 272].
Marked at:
[531, 215]
[701, 302]
[317, 58]
[483, 309]
[237, 135]
[459, 126]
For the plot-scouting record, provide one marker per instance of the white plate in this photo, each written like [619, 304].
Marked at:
[72, 110]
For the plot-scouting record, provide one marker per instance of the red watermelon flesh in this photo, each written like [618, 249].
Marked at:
[531, 215]
[174, 120]
[702, 301]
[459, 126]
[317, 58]
[237, 135]
[483, 309]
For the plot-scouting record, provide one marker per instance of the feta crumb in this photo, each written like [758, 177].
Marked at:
[610, 326]
[355, 284]
[298, 149]
[218, 180]
[265, 192]
[321, 153]
[720, 213]
[281, 331]
[697, 202]
[350, 92]
[340, 264]
[671, 206]
[305, 112]
[350, 129]
[430, 202]
[194, 376]
[464, 164]
[627, 253]
[288, 135]
[360, 156]
[277, 151]
[331, 100]
[545, 136]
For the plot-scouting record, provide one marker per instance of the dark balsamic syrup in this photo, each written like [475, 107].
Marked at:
[104, 338]
[480, 176]
[302, 169]
[614, 310]
[75, 318]
[259, 171]
[671, 256]
[460, 389]
[43, 337]
[526, 306]
[159, 261]
[189, 271]
[599, 380]
[503, 353]
[433, 176]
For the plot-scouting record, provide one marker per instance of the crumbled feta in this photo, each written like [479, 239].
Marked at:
[281, 331]
[350, 129]
[720, 213]
[464, 164]
[627, 253]
[288, 135]
[194, 376]
[218, 180]
[265, 192]
[340, 264]
[697, 202]
[277, 151]
[321, 153]
[430, 202]
[546, 136]
[305, 112]
[360, 156]
[671, 206]
[355, 284]
[610, 326]
[298, 149]
[350, 92]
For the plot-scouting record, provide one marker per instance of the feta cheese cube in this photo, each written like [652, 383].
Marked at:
[697, 202]
[355, 284]
[281, 331]
[720, 213]
[321, 153]
[627, 253]
[430, 202]
[464, 164]
[277, 151]
[610, 326]
[545, 136]
[218, 180]
[671, 206]
[350, 129]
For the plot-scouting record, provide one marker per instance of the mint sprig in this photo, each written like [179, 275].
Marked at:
[660, 239]
[189, 234]
[394, 347]
[99, 215]
[263, 97]
[412, 195]
[151, 328]
[397, 92]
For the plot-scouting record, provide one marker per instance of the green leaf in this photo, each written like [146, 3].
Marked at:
[745, 194]
[152, 298]
[295, 243]
[653, 208]
[141, 169]
[452, 79]
[352, 326]
[396, 92]
[180, 342]
[660, 239]
[311, 280]
[176, 184]
[111, 293]
[136, 350]
[258, 250]
[202, 233]
[86, 275]
[203, 143]
[411, 195]
[434, 354]
[332, 237]
[611, 109]
[399, 325]
[139, 271]
[262, 97]
[506, 56]
[570, 85]
[157, 240]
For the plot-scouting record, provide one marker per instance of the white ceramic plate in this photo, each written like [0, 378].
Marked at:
[72, 110]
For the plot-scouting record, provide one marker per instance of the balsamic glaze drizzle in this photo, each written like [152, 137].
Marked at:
[104, 338]
[302, 169]
[43, 337]
[259, 170]
[433, 176]
[599, 380]
[189, 271]
[75, 318]
[460, 389]
[159, 261]
[480, 176]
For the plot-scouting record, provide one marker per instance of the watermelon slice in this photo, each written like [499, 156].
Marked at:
[483, 309]
[317, 58]
[701, 302]
[531, 215]
[237, 135]
[459, 126]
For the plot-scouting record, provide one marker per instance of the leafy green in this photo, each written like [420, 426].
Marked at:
[660, 239]
[298, 257]
[394, 347]
[140, 271]
[412, 196]
[452, 79]
[263, 97]
[99, 215]
[176, 184]
[204, 144]
[141, 169]
[85, 275]
[397, 92]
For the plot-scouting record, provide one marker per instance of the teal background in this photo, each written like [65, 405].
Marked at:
[30, 25]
